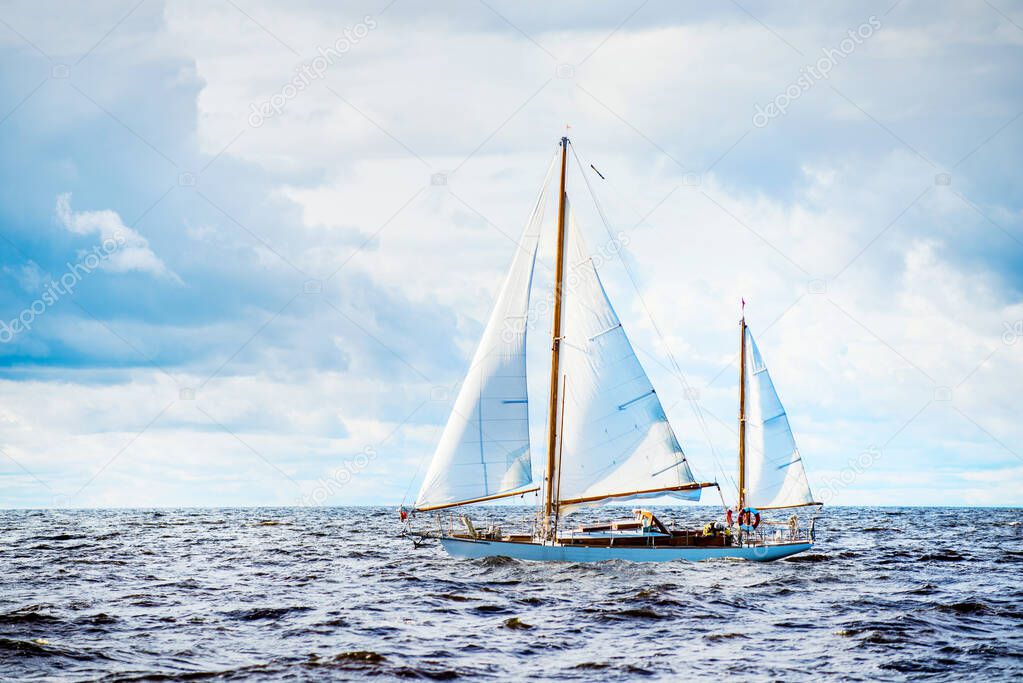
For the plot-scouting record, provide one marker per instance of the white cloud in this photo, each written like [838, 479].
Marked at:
[128, 250]
[274, 439]
[29, 275]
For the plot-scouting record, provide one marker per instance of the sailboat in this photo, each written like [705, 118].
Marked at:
[608, 439]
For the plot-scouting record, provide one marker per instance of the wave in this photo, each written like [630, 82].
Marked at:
[60, 537]
[42, 649]
[807, 558]
[491, 609]
[498, 561]
[516, 624]
[26, 648]
[265, 613]
[718, 637]
[453, 597]
[943, 556]
[634, 613]
[32, 614]
[969, 607]
[362, 656]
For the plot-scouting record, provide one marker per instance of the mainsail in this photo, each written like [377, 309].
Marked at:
[615, 439]
[774, 469]
[483, 452]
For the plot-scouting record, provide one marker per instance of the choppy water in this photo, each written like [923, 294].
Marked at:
[333, 594]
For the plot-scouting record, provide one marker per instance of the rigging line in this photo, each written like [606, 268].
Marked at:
[420, 465]
[678, 370]
[724, 505]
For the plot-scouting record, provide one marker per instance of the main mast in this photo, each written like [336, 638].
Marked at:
[550, 503]
[742, 414]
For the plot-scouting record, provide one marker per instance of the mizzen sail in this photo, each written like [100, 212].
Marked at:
[775, 476]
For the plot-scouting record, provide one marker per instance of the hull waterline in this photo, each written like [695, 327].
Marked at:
[475, 549]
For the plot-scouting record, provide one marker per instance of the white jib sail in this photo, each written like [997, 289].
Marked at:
[615, 437]
[484, 449]
[775, 476]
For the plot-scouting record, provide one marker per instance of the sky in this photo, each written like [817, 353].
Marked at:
[248, 248]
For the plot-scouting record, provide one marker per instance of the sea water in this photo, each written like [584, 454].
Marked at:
[336, 594]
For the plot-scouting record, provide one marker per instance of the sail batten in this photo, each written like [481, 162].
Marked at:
[775, 474]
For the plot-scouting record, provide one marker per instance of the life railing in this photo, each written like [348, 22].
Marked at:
[786, 535]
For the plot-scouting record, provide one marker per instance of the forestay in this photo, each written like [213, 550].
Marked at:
[615, 439]
[774, 469]
[484, 449]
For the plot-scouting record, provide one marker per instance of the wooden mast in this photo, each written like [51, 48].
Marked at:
[742, 414]
[550, 502]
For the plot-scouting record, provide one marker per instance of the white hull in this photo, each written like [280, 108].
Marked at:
[463, 547]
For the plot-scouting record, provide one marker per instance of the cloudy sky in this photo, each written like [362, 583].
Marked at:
[247, 251]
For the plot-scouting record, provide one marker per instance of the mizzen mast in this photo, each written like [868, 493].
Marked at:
[742, 411]
[550, 495]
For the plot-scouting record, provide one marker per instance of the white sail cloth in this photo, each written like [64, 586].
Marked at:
[484, 449]
[775, 476]
[615, 438]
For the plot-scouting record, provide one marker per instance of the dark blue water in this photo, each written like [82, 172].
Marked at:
[333, 594]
